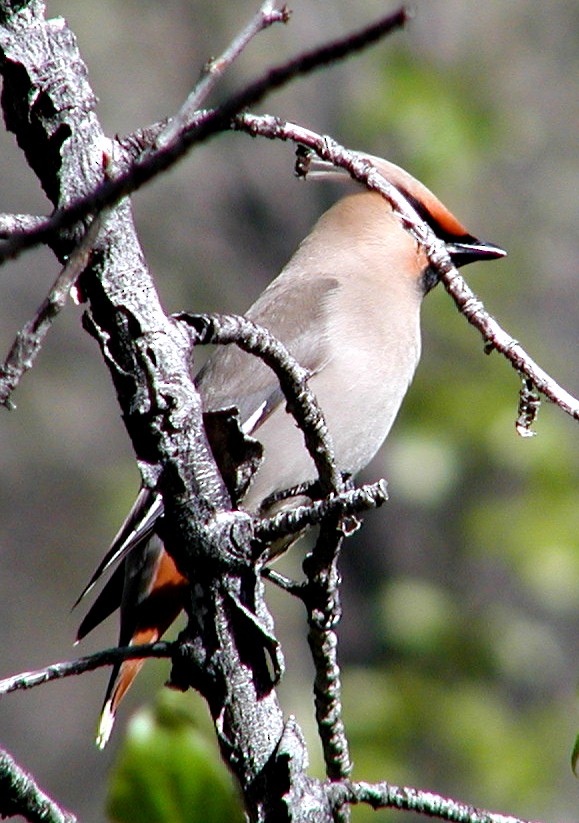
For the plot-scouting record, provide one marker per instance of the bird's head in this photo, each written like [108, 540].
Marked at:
[462, 246]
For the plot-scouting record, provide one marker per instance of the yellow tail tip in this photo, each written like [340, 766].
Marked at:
[105, 725]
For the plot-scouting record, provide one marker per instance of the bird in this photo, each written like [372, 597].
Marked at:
[347, 307]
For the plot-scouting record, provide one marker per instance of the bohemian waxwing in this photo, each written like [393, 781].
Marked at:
[347, 306]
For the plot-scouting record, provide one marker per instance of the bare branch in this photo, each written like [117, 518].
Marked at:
[20, 795]
[205, 125]
[11, 223]
[324, 613]
[352, 501]
[499, 340]
[224, 329]
[29, 339]
[467, 302]
[390, 796]
[284, 582]
[231, 615]
[148, 361]
[68, 668]
[214, 69]
[321, 592]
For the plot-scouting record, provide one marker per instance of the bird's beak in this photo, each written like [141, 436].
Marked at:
[473, 250]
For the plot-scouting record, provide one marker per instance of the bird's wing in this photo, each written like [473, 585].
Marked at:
[232, 377]
[108, 601]
[137, 527]
[223, 382]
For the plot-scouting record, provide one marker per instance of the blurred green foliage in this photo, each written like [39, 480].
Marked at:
[428, 115]
[169, 769]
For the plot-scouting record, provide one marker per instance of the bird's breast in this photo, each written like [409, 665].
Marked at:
[365, 382]
[360, 389]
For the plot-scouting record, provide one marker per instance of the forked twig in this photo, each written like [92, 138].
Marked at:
[214, 69]
[206, 125]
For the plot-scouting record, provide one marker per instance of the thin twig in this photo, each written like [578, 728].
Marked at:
[499, 340]
[29, 339]
[205, 125]
[465, 299]
[283, 582]
[293, 521]
[389, 796]
[214, 69]
[108, 657]
[21, 796]
[322, 600]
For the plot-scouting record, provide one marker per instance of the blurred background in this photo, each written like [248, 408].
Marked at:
[460, 639]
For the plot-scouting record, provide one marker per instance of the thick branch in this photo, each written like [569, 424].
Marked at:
[13, 223]
[321, 595]
[148, 360]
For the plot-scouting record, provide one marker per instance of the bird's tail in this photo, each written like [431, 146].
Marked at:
[120, 682]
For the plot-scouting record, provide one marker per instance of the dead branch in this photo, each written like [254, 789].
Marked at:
[88, 663]
[205, 125]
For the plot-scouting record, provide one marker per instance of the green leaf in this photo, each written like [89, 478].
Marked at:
[170, 771]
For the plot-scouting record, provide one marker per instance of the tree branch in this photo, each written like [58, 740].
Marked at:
[321, 594]
[224, 329]
[149, 366]
[266, 16]
[21, 795]
[13, 223]
[88, 663]
[389, 796]
[30, 338]
[205, 125]
[324, 611]
[344, 504]
[497, 339]
[230, 630]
